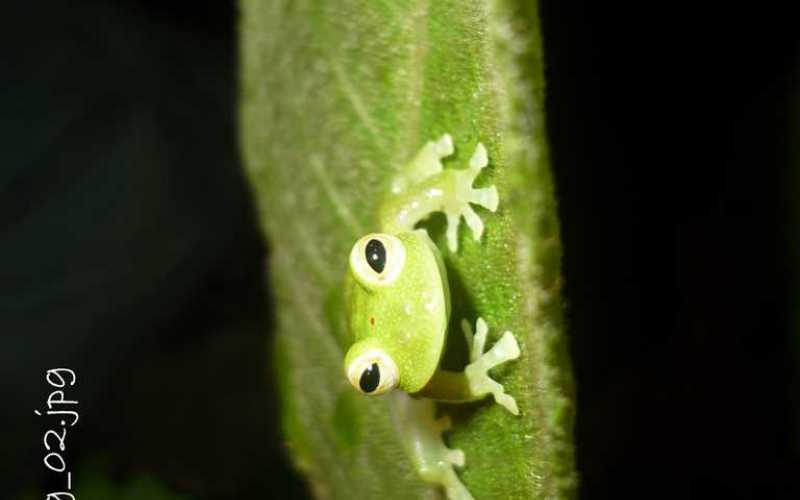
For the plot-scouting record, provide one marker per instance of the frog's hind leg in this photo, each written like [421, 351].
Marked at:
[421, 434]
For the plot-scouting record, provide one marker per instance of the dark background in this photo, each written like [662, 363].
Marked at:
[675, 140]
[130, 252]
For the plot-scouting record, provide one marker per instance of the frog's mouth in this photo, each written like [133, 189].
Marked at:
[373, 372]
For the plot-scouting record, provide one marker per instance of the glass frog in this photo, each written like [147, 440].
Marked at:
[396, 291]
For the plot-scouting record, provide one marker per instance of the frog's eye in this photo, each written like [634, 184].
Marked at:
[377, 259]
[373, 373]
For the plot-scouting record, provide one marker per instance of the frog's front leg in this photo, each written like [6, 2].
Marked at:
[421, 434]
[474, 383]
[436, 190]
[477, 372]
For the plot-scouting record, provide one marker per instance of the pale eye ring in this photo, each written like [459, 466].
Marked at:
[373, 373]
[377, 259]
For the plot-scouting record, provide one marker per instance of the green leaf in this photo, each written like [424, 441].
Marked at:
[335, 97]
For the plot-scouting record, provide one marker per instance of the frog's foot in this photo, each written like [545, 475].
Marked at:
[438, 465]
[465, 194]
[422, 435]
[477, 372]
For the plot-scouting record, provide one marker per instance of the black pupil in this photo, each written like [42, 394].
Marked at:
[370, 378]
[376, 255]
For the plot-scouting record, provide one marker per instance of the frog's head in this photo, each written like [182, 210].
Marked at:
[398, 305]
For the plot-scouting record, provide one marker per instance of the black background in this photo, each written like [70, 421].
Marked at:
[129, 249]
[675, 145]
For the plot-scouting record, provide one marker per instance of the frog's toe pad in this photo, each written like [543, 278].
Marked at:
[507, 348]
[444, 146]
[485, 197]
[480, 158]
[507, 402]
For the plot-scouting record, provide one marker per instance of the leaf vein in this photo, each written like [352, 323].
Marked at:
[341, 208]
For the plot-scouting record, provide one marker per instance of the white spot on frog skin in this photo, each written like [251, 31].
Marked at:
[434, 193]
[430, 303]
[402, 216]
[408, 309]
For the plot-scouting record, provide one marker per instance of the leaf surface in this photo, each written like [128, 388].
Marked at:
[336, 96]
